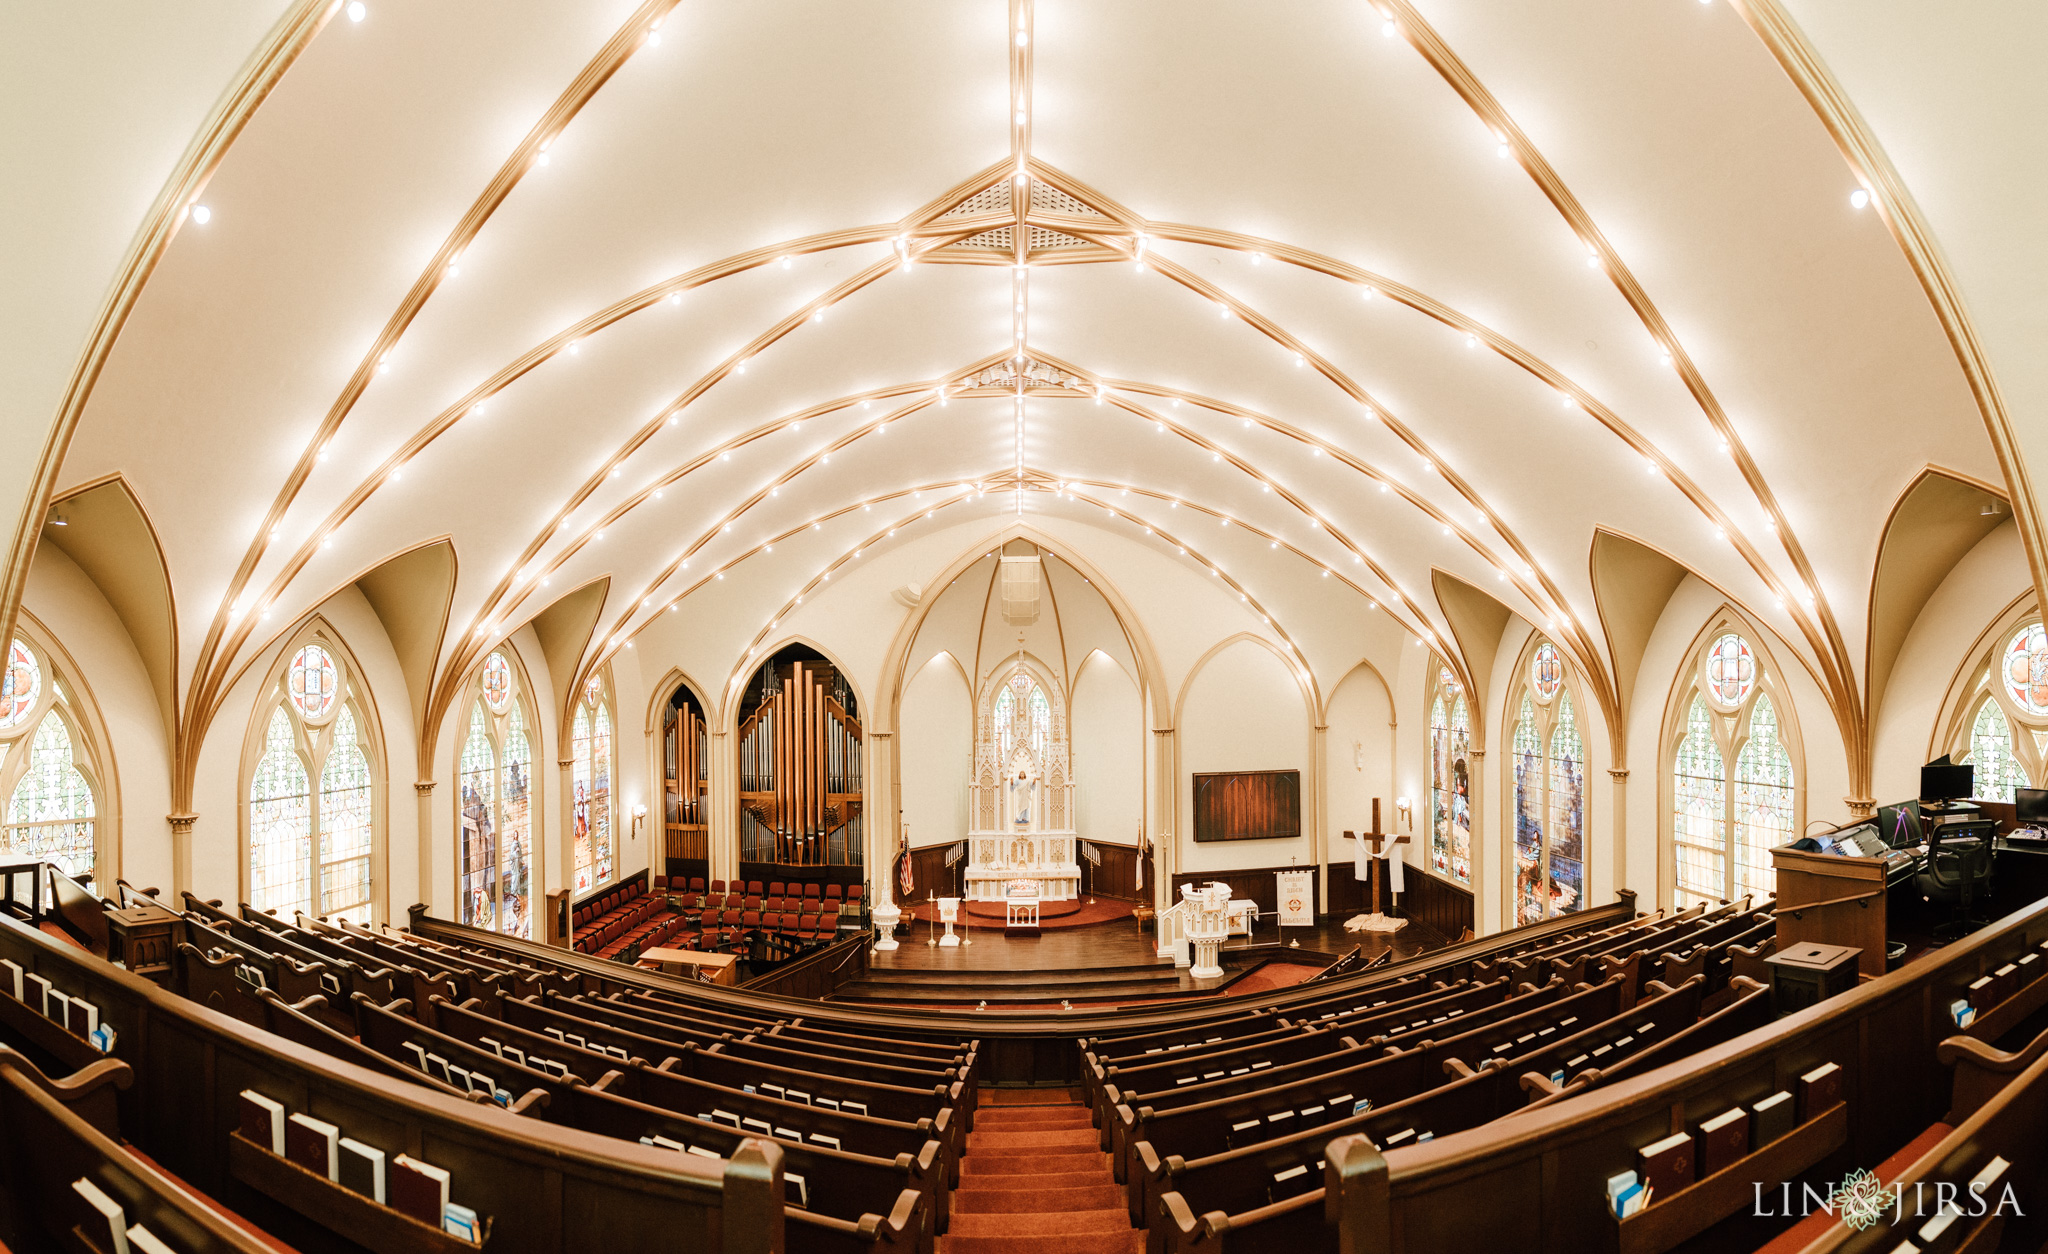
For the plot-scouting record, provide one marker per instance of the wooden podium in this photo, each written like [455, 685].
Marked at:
[1832, 899]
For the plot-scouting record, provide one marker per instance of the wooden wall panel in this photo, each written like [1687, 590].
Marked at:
[1251, 884]
[1247, 805]
[1446, 908]
[1116, 876]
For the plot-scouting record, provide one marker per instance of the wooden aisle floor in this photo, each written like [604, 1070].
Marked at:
[1118, 943]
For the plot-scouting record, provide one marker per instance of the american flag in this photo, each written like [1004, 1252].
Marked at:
[903, 877]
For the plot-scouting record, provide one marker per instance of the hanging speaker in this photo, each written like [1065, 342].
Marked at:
[1020, 578]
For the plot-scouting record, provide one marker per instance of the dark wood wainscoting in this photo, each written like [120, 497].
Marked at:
[769, 872]
[688, 841]
[818, 973]
[1117, 876]
[1446, 908]
[685, 868]
[934, 878]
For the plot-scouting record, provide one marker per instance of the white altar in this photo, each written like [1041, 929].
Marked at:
[1021, 839]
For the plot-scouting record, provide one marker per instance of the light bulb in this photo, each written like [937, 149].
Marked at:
[1857, 200]
[201, 214]
[357, 11]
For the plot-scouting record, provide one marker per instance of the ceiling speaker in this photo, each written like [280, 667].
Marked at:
[1020, 590]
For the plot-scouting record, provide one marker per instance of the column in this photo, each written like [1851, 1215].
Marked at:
[1481, 885]
[565, 847]
[1319, 817]
[1160, 815]
[722, 807]
[1620, 778]
[423, 795]
[881, 830]
[181, 854]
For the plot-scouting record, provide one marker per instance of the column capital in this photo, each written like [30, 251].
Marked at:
[1860, 807]
[181, 824]
[1618, 772]
[424, 787]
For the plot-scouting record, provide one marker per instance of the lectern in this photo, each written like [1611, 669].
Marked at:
[1832, 899]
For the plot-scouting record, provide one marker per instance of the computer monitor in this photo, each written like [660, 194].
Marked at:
[2031, 805]
[1943, 780]
[1899, 824]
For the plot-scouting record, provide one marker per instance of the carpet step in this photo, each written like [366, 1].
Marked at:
[1041, 1225]
[1031, 1162]
[1057, 1138]
[1104, 1196]
[1057, 1243]
[1031, 1181]
[1002, 1121]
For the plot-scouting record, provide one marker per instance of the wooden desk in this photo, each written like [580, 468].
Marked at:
[1844, 899]
[716, 968]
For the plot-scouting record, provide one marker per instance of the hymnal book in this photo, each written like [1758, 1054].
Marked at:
[417, 1053]
[1819, 1089]
[796, 1190]
[458, 1076]
[516, 1055]
[750, 1124]
[10, 978]
[662, 1142]
[1989, 1177]
[556, 1033]
[1397, 1138]
[790, 1134]
[798, 1096]
[1666, 1166]
[725, 1117]
[419, 1189]
[263, 1121]
[109, 1210]
[1244, 1125]
[85, 1018]
[1941, 1232]
[829, 1142]
[313, 1144]
[572, 1039]
[491, 1045]
[459, 1221]
[1772, 1117]
[481, 1083]
[858, 1108]
[143, 1241]
[776, 1091]
[1285, 1114]
[2006, 980]
[701, 1152]
[1724, 1140]
[829, 1103]
[362, 1168]
[1981, 993]
[58, 1009]
[38, 1000]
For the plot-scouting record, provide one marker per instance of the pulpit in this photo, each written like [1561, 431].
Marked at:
[1207, 925]
[949, 913]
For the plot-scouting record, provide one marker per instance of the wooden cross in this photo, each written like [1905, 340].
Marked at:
[1379, 840]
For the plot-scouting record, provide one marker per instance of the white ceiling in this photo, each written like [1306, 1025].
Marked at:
[759, 161]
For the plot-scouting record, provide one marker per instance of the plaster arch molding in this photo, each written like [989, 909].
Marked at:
[676, 677]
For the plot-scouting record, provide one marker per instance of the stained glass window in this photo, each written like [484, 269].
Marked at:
[1567, 811]
[1461, 791]
[515, 855]
[477, 857]
[1763, 801]
[1528, 816]
[312, 796]
[1041, 721]
[497, 682]
[1998, 770]
[1439, 787]
[2025, 668]
[280, 823]
[312, 682]
[51, 813]
[1001, 714]
[591, 776]
[579, 782]
[1546, 671]
[1699, 811]
[1731, 670]
[21, 683]
[345, 824]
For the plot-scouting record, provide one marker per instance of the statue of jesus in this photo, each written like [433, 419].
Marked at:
[1023, 785]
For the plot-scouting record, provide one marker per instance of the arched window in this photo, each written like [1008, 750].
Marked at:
[2009, 712]
[1550, 793]
[50, 808]
[1725, 819]
[1450, 780]
[591, 775]
[494, 810]
[310, 848]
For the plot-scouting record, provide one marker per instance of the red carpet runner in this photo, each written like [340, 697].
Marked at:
[1034, 1182]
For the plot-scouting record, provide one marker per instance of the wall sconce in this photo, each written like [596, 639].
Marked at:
[639, 814]
[1407, 812]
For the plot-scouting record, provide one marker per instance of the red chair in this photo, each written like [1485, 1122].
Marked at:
[661, 883]
[775, 888]
[753, 888]
[833, 892]
[811, 892]
[697, 884]
[718, 888]
[853, 895]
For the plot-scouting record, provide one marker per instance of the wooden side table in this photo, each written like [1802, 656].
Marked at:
[1807, 973]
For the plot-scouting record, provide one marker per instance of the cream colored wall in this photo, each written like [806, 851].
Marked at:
[1244, 711]
[1361, 758]
[1108, 732]
[114, 683]
[936, 731]
[1991, 576]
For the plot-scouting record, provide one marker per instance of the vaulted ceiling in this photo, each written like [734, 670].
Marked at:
[1335, 298]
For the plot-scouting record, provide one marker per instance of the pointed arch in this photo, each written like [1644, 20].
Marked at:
[69, 806]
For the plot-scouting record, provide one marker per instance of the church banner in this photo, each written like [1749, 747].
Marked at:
[1297, 897]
